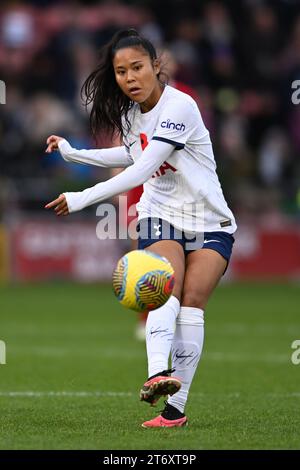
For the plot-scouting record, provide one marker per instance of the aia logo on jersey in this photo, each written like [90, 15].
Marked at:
[165, 166]
[172, 125]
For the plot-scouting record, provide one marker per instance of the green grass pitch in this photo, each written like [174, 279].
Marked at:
[74, 371]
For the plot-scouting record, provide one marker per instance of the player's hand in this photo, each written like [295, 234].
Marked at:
[60, 205]
[52, 143]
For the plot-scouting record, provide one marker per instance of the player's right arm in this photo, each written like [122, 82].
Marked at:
[115, 157]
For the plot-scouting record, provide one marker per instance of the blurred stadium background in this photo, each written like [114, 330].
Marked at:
[240, 59]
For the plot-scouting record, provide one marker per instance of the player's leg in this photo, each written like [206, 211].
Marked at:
[204, 268]
[173, 251]
[160, 328]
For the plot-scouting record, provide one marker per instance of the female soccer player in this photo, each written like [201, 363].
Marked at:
[182, 213]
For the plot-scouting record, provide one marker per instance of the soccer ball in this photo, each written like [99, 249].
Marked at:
[143, 280]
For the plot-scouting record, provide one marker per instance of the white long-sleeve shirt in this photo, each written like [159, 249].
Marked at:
[135, 175]
[116, 157]
[168, 149]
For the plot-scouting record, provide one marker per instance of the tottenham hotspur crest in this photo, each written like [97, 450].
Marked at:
[157, 227]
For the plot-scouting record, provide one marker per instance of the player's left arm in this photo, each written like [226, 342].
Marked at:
[151, 159]
[175, 125]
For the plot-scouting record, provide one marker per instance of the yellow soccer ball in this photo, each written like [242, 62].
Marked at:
[143, 280]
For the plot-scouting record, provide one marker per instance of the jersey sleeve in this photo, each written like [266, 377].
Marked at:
[177, 123]
[115, 157]
[135, 175]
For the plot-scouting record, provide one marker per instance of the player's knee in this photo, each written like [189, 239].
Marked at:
[193, 298]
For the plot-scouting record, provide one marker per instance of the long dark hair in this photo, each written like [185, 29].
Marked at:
[109, 103]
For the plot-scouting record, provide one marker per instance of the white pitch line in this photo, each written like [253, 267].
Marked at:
[214, 356]
[35, 394]
[86, 394]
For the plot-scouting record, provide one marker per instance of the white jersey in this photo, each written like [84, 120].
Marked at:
[168, 149]
[185, 190]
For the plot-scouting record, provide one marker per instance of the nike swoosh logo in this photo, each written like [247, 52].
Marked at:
[180, 357]
[152, 332]
[208, 241]
[132, 143]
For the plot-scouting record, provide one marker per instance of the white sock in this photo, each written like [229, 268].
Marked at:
[160, 329]
[186, 351]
